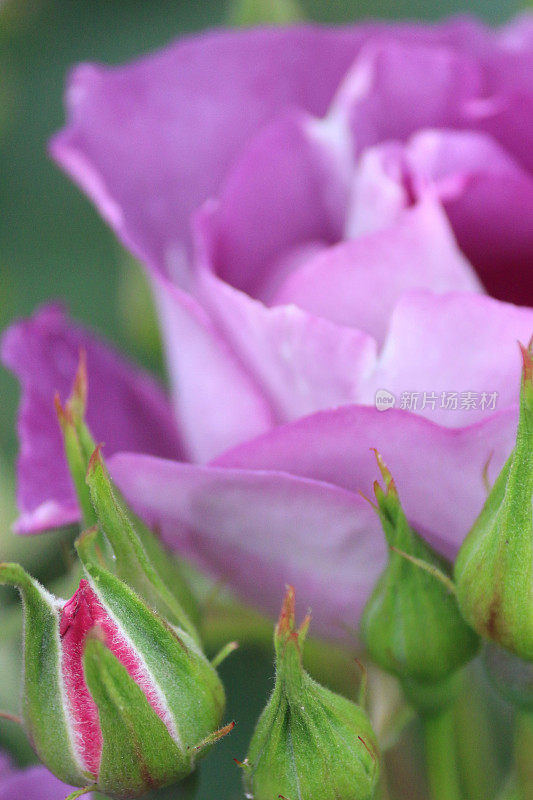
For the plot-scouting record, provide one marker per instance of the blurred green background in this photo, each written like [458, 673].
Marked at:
[54, 245]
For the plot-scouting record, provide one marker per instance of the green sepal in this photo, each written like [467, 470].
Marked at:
[411, 596]
[309, 742]
[132, 564]
[80, 792]
[80, 447]
[190, 685]
[288, 644]
[76, 460]
[223, 653]
[43, 707]
[494, 568]
[138, 751]
[214, 737]
[170, 569]
[168, 566]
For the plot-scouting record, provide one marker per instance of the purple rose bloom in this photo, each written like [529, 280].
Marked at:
[327, 217]
[24, 784]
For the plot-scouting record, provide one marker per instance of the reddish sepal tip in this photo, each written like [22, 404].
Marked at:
[79, 389]
[286, 617]
[95, 459]
[527, 361]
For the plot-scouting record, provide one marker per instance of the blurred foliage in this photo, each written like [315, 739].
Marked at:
[54, 245]
[255, 12]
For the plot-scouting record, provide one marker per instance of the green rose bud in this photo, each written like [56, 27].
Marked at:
[115, 698]
[494, 568]
[411, 625]
[309, 742]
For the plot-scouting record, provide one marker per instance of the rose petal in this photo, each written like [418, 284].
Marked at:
[260, 530]
[487, 195]
[343, 282]
[217, 402]
[395, 88]
[267, 512]
[149, 142]
[301, 362]
[33, 782]
[492, 210]
[457, 342]
[381, 190]
[512, 64]
[507, 118]
[126, 409]
[439, 471]
[6, 765]
[287, 190]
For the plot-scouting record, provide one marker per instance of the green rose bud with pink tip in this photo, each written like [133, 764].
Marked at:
[494, 568]
[115, 699]
[309, 742]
